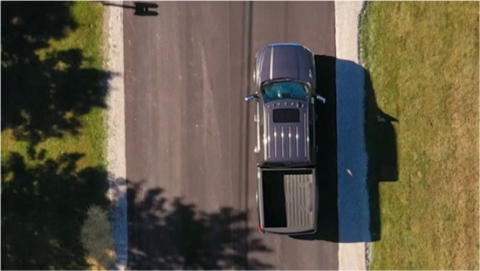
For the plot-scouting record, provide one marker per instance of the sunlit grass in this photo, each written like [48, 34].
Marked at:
[423, 58]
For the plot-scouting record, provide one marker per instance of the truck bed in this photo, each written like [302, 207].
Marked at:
[288, 200]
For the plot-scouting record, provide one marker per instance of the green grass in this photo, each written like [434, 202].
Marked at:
[88, 38]
[423, 59]
[53, 135]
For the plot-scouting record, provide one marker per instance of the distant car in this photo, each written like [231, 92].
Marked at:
[285, 83]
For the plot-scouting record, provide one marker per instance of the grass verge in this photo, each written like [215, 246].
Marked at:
[423, 58]
[53, 135]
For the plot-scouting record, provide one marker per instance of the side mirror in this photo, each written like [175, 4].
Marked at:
[320, 98]
[251, 97]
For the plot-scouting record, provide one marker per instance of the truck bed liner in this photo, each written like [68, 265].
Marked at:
[287, 198]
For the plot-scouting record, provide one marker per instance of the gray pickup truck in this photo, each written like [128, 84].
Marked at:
[287, 193]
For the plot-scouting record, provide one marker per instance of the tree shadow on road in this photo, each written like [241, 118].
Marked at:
[357, 144]
[44, 203]
[173, 234]
[44, 93]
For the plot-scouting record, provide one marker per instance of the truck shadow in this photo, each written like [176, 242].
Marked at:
[170, 233]
[357, 150]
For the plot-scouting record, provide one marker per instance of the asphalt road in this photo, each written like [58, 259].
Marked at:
[190, 135]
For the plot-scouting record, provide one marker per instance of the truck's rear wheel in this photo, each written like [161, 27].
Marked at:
[259, 228]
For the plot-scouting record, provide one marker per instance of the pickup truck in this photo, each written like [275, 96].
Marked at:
[285, 83]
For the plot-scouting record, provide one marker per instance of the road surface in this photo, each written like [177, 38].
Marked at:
[190, 135]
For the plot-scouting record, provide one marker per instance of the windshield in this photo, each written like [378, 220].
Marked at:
[285, 90]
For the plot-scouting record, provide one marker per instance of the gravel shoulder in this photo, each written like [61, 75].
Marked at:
[116, 157]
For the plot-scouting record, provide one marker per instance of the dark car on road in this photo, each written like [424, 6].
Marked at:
[285, 93]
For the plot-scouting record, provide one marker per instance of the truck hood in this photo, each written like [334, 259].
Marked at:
[278, 61]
